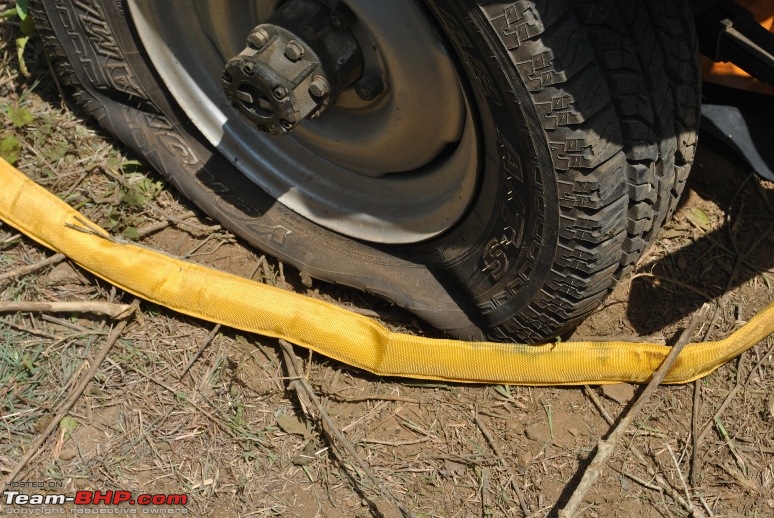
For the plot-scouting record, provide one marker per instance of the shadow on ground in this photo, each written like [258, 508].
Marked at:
[706, 267]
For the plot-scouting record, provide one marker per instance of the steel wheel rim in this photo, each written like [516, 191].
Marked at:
[401, 169]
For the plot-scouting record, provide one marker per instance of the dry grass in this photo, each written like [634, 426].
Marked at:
[238, 432]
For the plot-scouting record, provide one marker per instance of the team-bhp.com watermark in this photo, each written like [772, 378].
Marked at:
[42, 499]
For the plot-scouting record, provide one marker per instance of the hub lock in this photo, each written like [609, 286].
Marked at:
[294, 65]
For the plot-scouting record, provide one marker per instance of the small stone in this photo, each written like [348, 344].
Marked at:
[573, 431]
[538, 433]
[291, 424]
[621, 393]
[63, 273]
[67, 453]
[306, 456]
[93, 391]
[42, 423]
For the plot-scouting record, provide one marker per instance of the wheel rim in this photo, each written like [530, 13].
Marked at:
[399, 169]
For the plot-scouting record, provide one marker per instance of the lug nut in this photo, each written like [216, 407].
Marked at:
[247, 68]
[258, 39]
[294, 51]
[369, 87]
[280, 93]
[319, 87]
[227, 77]
[286, 124]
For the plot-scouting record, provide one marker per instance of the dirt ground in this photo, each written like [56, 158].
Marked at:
[229, 429]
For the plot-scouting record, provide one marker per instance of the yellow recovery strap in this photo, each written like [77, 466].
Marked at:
[356, 340]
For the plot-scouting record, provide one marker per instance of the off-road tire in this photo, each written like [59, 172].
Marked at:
[588, 114]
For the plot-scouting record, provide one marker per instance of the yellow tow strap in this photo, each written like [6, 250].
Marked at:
[243, 304]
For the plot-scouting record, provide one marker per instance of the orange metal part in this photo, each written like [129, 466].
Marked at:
[728, 74]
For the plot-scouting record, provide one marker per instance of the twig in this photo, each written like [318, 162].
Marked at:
[72, 187]
[197, 246]
[605, 448]
[372, 397]
[759, 363]
[675, 282]
[730, 443]
[118, 311]
[484, 488]
[719, 304]
[266, 268]
[696, 439]
[294, 368]
[179, 221]
[10, 239]
[395, 443]
[284, 285]
[150, 228]
[757, 242]
[729, 397]
[679, 473]
[637, 479]
[70, 325]
[664, 485]
[752, 449]
[695, 432]
[598, 403]
[706, 507]
[32, 331]
[160, 225]
[220, 420]
[29, 268]
[176, 393]
[503, 462]
[94, 365]
[619, 338]
[42, 158]
[205, 344]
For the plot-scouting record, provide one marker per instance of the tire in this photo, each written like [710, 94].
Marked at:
[586, 118]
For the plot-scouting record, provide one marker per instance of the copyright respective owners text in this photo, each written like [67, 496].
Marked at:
[51, 498]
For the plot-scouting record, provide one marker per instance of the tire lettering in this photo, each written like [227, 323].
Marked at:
[495, 258]
[484, 79]
[277, 234]
[171, 140]
[97, 30]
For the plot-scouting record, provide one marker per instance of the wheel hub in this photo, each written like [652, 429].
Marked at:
[394, 157]
[294, 66]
